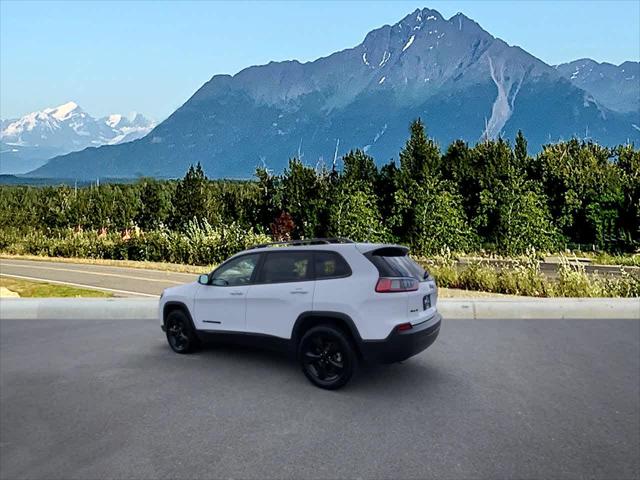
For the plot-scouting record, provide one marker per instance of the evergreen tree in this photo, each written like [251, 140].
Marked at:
[360, 172]
[520, 151]
[420, 157]
[190, 198]
[155, 204]
[304, 195]
[419, 161]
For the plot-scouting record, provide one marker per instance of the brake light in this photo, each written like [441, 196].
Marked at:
[403, 284]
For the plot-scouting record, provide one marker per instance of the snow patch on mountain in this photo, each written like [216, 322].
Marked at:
[385, 58]
[409, 42]
[503, 105]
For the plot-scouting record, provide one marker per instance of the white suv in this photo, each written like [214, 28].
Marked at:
[331, 302]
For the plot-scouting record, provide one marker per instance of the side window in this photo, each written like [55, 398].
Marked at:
[330, 265]
[286, 267]
[236, 272]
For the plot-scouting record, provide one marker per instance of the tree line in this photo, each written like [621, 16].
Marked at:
[493, 196]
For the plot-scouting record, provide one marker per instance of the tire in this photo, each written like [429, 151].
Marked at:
[180, 334]
[327, 357]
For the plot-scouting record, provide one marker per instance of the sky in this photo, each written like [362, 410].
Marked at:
[150, 57]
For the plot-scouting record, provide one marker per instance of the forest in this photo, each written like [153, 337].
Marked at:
[491, 198]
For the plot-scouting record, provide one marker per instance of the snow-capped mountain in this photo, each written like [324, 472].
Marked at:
[615, 86]
[462, 81]
[27, 142]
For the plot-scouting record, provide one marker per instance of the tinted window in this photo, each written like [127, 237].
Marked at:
[330, 265]
[397, 266]
[286, 267]
[236, 272]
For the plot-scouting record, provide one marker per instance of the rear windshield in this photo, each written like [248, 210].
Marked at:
[396, 263]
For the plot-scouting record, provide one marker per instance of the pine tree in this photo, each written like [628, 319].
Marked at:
[520, 151]
[154, 205]
[420, 157]
[359, 173]
[190, 197]
[419, 162]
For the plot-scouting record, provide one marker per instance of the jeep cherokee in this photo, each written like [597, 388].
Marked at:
[330, 302]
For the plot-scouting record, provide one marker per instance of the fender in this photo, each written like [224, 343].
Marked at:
[172, 304]
[319, 314]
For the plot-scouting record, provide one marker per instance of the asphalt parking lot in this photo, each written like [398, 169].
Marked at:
[490, 399]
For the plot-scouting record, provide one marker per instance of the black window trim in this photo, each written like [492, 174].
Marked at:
[262, 257]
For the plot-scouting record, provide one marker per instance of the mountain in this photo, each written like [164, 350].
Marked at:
[462, 81]
[615, 87]
[27, 142]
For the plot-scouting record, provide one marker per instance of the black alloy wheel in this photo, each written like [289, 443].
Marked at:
[327, 357]
[180, 335]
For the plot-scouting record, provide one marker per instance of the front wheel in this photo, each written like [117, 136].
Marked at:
[327, 357]
[180, 334]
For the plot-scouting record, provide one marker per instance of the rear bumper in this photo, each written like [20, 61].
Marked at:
[399, 346]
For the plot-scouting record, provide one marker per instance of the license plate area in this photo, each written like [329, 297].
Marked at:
[426, 302]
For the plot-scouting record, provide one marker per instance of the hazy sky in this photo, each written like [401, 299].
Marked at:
[124, 56]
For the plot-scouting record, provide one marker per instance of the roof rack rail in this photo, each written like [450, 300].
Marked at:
[307, 241]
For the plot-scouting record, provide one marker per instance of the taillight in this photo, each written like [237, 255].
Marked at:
[403, 284]
[404, 327]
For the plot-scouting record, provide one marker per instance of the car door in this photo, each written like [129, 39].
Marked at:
[221, 305]
[282, 291]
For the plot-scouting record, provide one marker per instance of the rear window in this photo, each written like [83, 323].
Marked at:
[286, 267]
[330, 265]
[396, 263]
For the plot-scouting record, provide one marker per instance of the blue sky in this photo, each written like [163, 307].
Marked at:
[124, 56]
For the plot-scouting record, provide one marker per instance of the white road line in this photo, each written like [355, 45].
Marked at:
[93, 287]
[63, 263]
[89, 272]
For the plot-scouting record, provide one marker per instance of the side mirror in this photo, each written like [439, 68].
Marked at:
[203, 279]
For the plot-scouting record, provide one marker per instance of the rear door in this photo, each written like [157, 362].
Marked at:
[283, 290]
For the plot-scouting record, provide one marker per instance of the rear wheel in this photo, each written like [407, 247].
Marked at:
[327, 357]
[180, 334]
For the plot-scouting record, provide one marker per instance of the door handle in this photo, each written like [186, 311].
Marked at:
[235, 293]
[301, 292]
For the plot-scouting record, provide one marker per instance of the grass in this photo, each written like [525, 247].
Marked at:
[523, 277]
[632, 260]
[29, 289]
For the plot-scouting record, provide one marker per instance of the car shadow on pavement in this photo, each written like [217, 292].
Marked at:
[400, 376]
[249, 360]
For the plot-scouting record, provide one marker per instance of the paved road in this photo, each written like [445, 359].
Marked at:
[125, 282]
[491, 399]
[119, 280]
[550, 269]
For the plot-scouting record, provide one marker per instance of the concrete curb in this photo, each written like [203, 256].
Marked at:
[541, 308]
[78, 309]
[451, 309]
